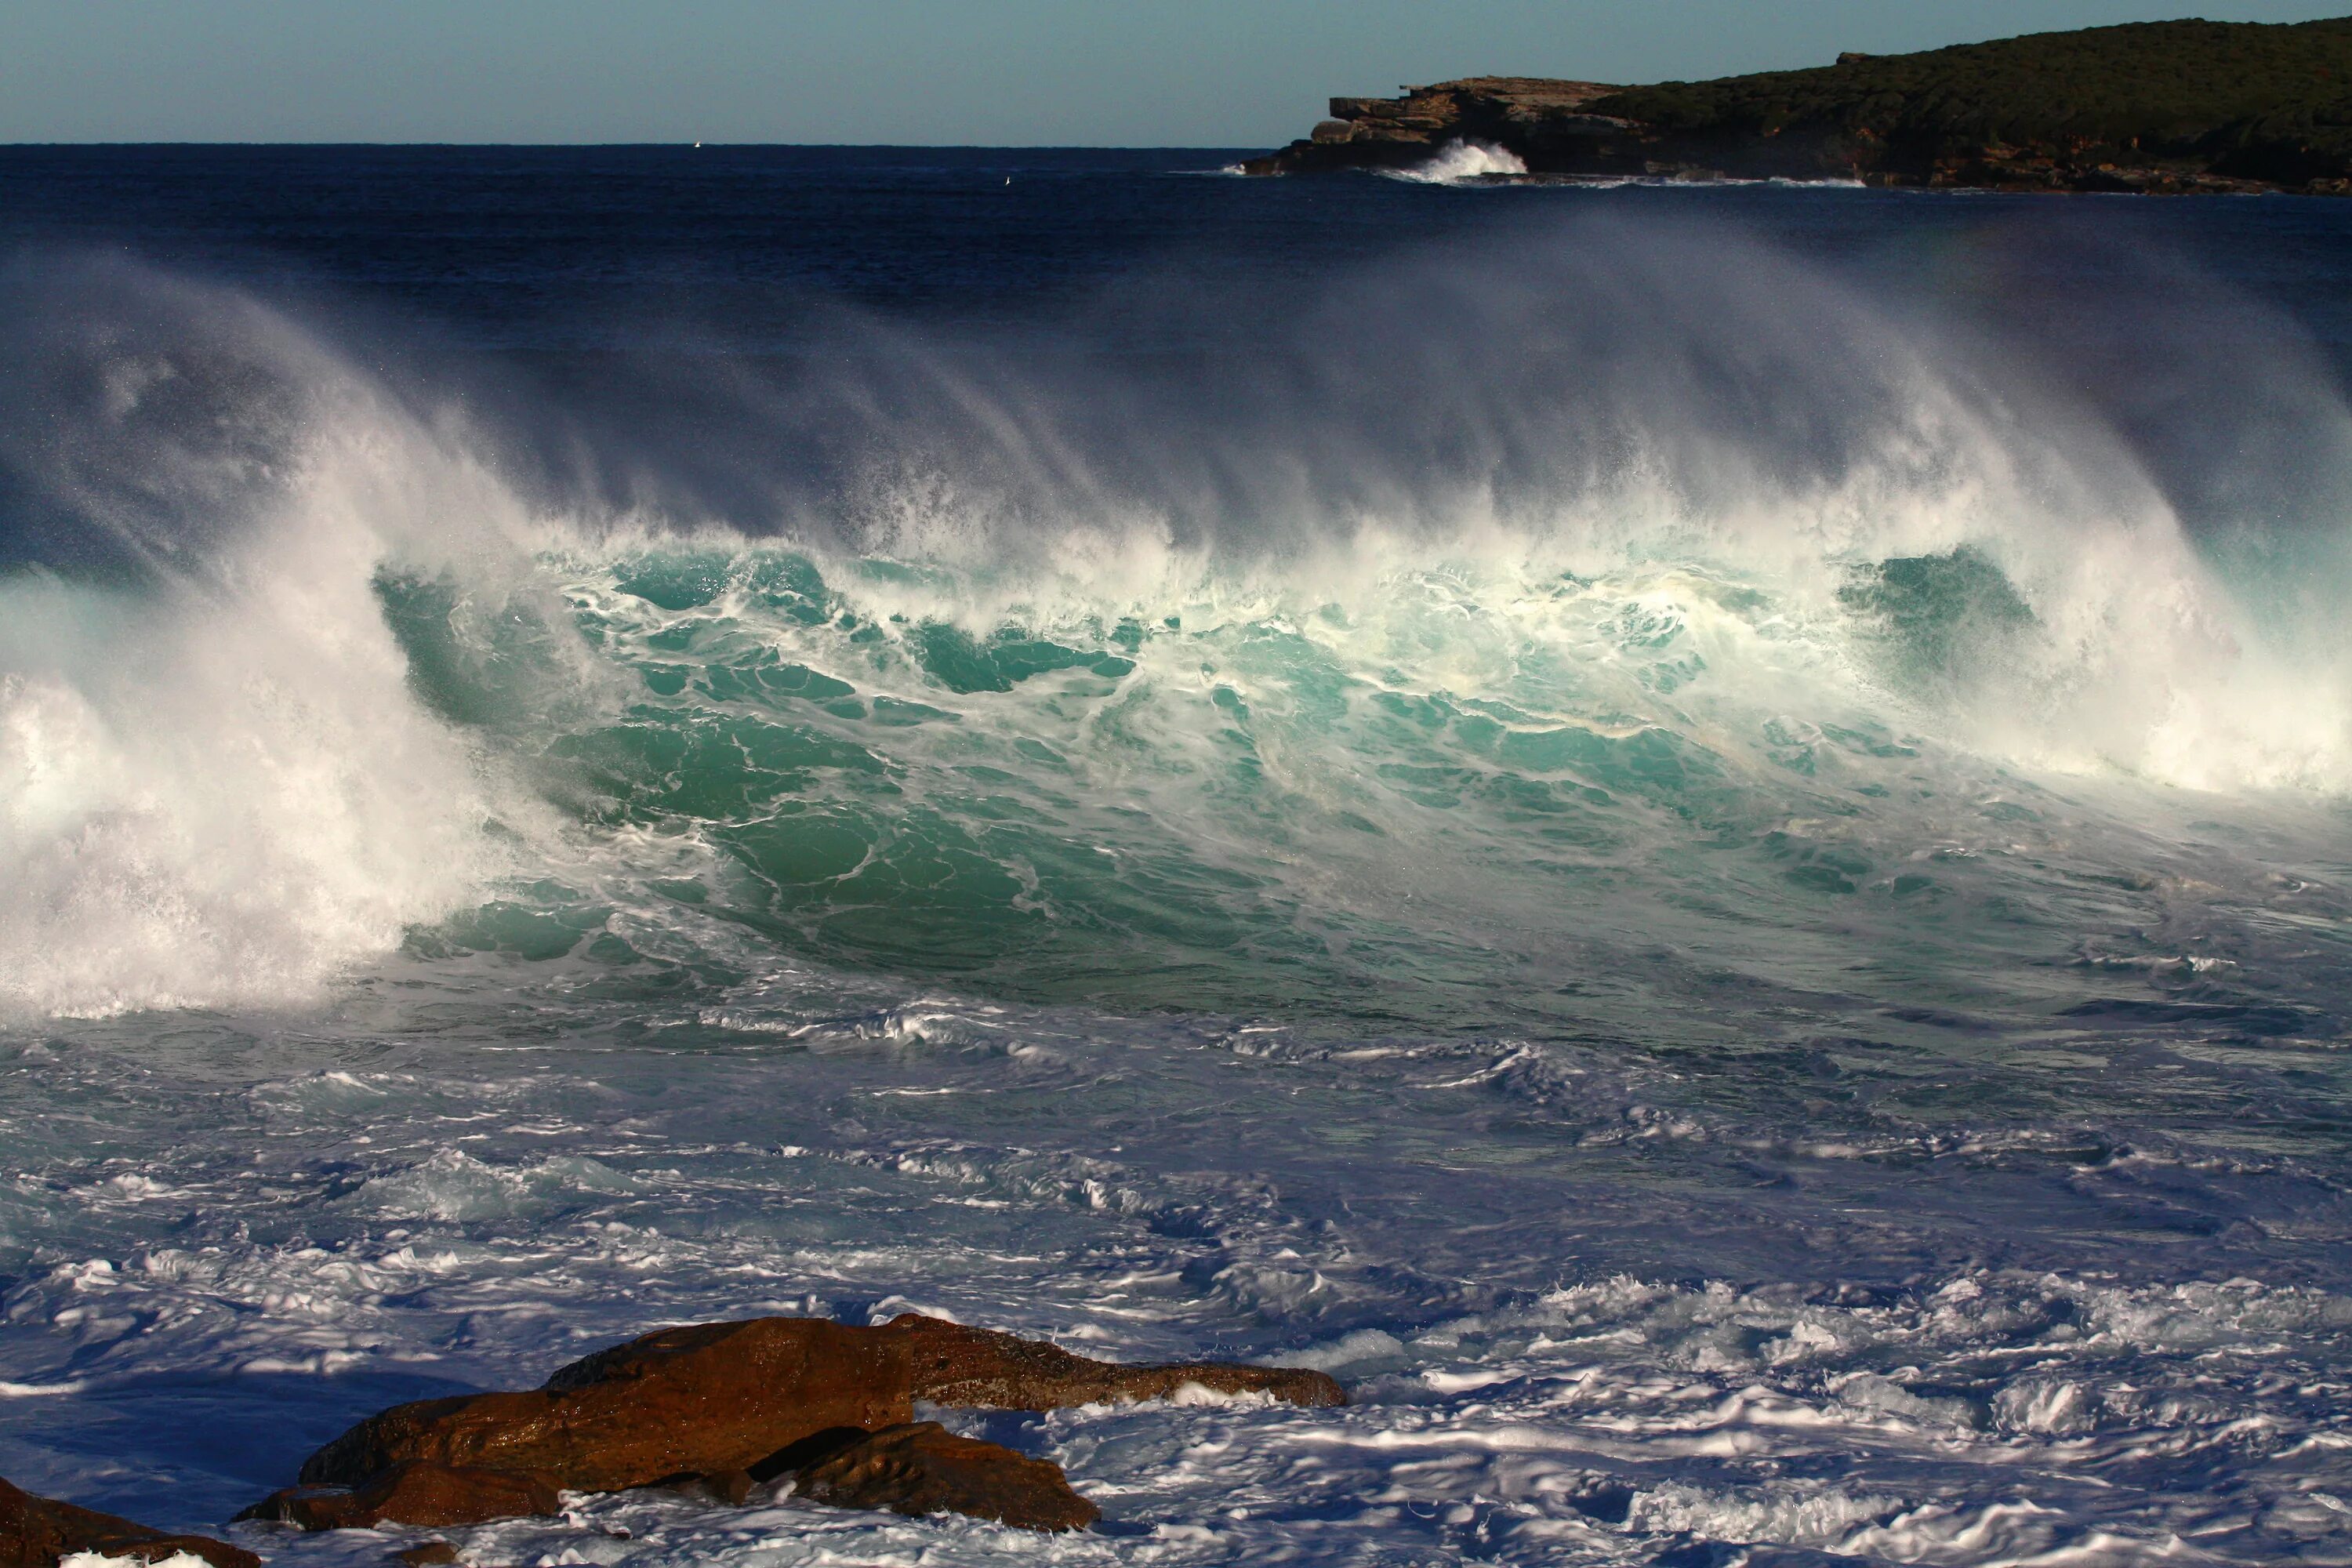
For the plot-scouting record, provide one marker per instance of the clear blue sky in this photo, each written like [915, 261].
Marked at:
[1004, 72]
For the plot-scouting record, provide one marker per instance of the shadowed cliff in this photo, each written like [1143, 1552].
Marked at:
[2155, 105]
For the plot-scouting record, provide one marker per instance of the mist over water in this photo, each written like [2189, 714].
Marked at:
[1489, 577]
[1702, 847]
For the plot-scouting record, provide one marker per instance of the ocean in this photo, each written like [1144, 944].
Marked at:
[1697, 837]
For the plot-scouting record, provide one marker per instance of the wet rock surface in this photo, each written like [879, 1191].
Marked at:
[922, 1468]
[36, 1533]
[952, 1364]
[417, 1491]
[682, 1402]
[722, 1407]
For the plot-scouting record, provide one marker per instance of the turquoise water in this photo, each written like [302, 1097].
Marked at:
[1719, 893]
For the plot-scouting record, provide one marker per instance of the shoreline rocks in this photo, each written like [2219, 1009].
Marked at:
[415, 1492]
[38, 1531]
[725, 1406]
[719, 1408]
[922, 1468]
[683, 1402]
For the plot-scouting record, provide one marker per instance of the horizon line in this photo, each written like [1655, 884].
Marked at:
[695, 146]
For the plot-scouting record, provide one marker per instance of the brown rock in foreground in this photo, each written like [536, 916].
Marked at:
[418, 1492]
[952, 1364]
[922, 1468]
[720, 1397]
[683, 1402]
[35, 1533]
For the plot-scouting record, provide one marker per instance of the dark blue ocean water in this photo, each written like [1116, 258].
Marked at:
[539, 248]
[1696, 836]
[584, 274]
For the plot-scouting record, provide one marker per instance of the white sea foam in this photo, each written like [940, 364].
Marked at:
[221, 789]
[1552, 954]
[1462, 162]
[206, 804]
[216, 785]
[1976, 1416]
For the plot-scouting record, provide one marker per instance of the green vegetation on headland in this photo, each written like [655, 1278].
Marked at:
[2149, 106]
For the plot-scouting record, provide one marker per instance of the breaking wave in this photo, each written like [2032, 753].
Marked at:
[1461, 162]
[1485, 623]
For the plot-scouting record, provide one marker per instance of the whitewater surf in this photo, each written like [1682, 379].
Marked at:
[1693, 847]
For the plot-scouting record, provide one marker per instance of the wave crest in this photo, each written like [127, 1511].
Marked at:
[1375, 656]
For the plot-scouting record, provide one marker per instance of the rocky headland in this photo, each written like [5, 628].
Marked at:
[2156, 107]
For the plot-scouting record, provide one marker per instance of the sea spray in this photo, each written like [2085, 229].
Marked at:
[1704, 873]
[1716, 553]
[1459, 163]
[217, 787]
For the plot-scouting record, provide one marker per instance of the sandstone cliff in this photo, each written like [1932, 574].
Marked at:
[2158, 107]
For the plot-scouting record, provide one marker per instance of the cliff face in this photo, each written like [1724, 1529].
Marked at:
[1529, 115]
[2159, 106]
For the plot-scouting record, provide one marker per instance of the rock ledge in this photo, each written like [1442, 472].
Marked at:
[37, 1531]
[728, 1406]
